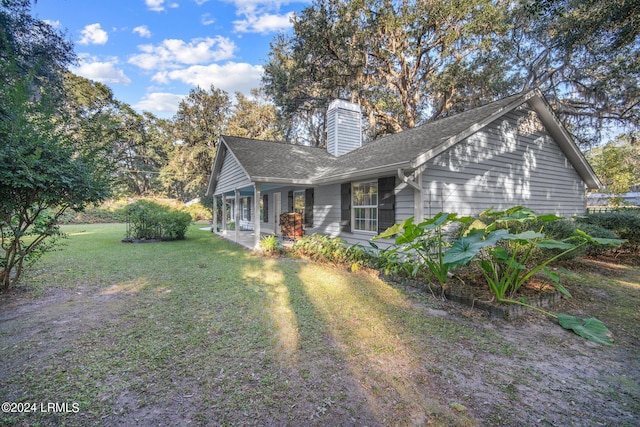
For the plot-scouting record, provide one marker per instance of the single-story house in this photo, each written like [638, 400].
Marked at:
[509, 152]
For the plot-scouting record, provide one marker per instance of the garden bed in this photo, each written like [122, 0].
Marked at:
[472, 294]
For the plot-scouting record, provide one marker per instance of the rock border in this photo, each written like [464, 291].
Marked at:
[504, 311]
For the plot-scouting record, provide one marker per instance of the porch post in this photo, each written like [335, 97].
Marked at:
[236, 210]
[214, 226]
[256, 215]
[224, 214]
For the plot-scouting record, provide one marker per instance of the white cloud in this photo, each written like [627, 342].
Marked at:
[230, 77]
[100, 71]
[93, 34]
[201, 2]
[172, 52]
[206, 19]
[143, 31]
[263, 24]
[155, 5]
[160, 102]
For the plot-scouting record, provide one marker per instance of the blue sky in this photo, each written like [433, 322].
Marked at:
[152, 52]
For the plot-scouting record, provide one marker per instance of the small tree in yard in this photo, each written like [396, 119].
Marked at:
[42, 171]
[41, 177]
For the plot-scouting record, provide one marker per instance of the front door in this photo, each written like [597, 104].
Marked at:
[277, 210]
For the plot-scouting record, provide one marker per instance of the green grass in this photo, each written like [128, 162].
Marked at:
[202, 330]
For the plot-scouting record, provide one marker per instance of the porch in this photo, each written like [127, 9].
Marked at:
[246, 214]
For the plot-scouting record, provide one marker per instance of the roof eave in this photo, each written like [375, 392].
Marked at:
[565, 141]
[363, 173]
[276, 180]
[216, 168]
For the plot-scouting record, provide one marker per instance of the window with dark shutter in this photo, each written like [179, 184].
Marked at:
[290, 201]
[386, 203]
[345, 207]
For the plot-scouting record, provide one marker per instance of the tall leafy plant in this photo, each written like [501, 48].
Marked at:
[504, 257]
[426, 243]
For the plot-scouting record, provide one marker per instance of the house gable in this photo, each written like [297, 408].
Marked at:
[510, 161]
[231, 173]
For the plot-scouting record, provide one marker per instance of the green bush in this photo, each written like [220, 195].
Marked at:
[199, 212]
[149, 220]
[322, 248]
[271, 245]
[626, 225]
[565, 228]
[94, 215]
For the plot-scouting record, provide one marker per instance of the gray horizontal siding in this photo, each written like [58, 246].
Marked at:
[507, 163]
[326, 210]
[232, 176]
[404, 204]
[326, 217]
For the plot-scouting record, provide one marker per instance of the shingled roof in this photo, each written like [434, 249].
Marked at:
[270, 161]
[277, 161]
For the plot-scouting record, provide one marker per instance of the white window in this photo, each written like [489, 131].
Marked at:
[365, 206]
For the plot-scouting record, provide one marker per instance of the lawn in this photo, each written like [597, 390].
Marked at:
[202, 332]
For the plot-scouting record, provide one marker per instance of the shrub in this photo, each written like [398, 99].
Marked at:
[565, 228]
[322, 248]
[93, 215]
[199, 212]
[271, 245]
[625, 225]
[149, 220]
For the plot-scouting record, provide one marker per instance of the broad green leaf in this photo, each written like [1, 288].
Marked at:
[495, 236]
[518, 213]
[439, 219]
[394, 229]
[527, 235]
[500, 253]
[600, 241]
[554, 244]
[465, 248]
[608, 242]
[466, 219]
[591, 328]
[410, 233]
[490, 212]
